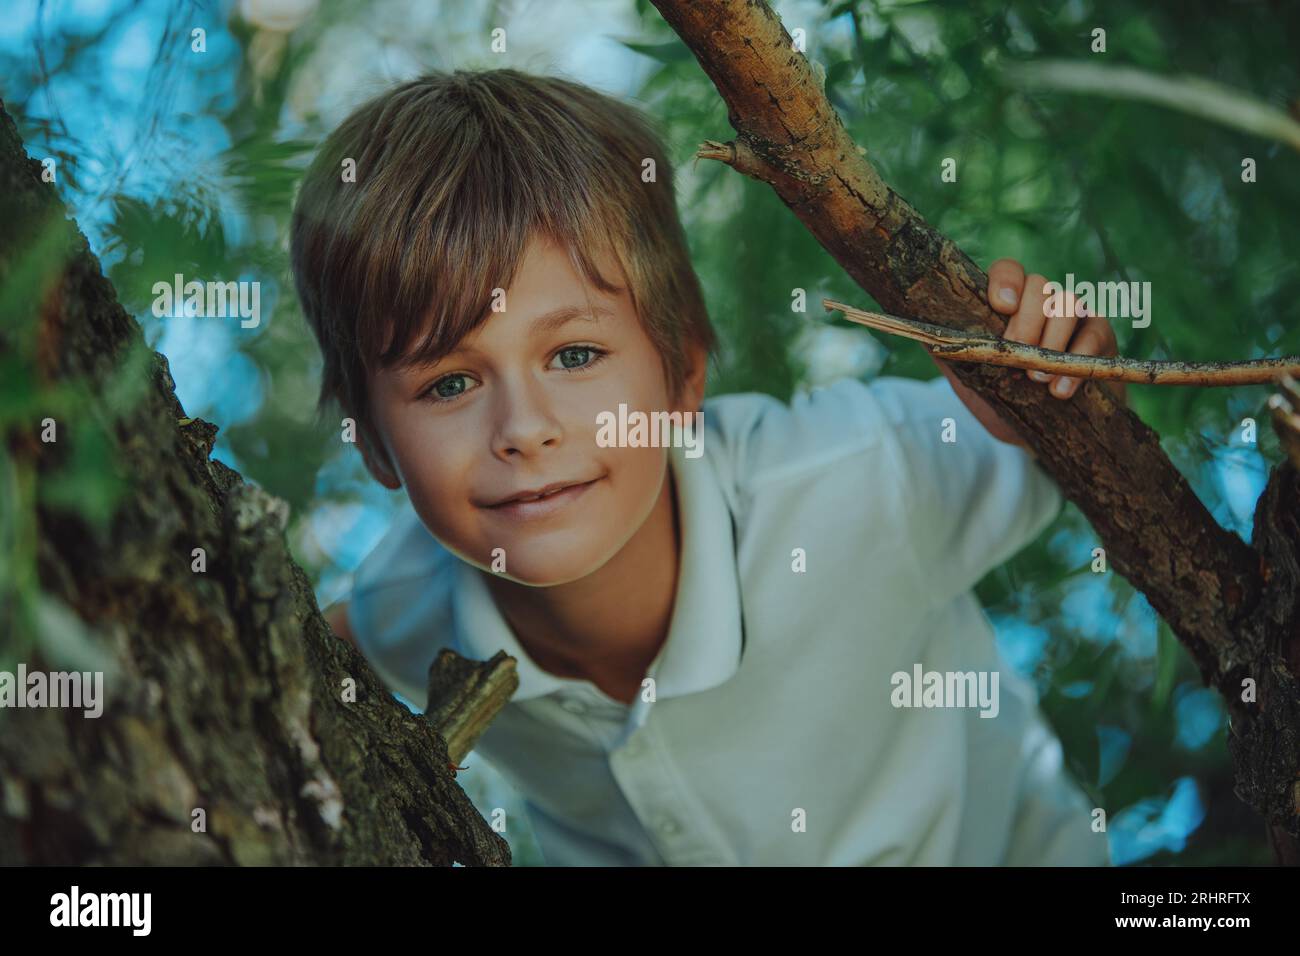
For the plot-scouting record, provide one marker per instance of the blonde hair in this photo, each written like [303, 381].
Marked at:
[454, 174]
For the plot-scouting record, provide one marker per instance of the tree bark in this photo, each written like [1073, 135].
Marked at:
[1232, 605]
[229, 735]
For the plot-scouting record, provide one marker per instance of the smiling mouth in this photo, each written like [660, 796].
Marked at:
[545, 492]
[551, 499]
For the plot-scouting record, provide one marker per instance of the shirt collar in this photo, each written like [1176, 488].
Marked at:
[704, 641]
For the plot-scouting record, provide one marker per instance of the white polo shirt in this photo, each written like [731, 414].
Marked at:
[773, 737]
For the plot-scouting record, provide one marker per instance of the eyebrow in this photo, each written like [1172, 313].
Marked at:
[556, 318]
[549, 322]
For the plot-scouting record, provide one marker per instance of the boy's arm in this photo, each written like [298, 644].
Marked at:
[964, 501]
[1032, 322]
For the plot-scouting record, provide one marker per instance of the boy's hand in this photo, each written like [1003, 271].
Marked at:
[1074, 330]
[1022, 298]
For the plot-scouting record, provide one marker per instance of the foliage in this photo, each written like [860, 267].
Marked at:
[174, 163]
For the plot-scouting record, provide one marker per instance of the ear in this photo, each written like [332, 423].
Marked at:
[377, 460]
[691, 396]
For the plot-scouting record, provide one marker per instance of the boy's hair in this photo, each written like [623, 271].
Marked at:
[454, 174]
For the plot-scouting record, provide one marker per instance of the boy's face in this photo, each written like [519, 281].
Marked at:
[514, 409]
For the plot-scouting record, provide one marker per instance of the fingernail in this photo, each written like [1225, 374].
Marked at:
[1038, 376]
[1005, 295]
[1063, 386]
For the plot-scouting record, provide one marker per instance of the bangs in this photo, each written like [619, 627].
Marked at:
[438, 304]
[452, 176]
[476, 186]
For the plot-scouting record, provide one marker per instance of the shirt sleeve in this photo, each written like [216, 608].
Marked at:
[1053, 819]
[760, 440]
[971, 501]
[398, 609]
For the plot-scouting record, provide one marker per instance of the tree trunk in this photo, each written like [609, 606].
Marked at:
[237, 728]
[1232, 605]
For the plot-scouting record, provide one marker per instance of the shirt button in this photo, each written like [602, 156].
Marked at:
[573, 706]
[667, 826]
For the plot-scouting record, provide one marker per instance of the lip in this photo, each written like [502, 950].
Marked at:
[542, 507]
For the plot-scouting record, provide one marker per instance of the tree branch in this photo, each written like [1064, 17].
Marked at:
[962, 346]
[1231, 605]
[1200, 577]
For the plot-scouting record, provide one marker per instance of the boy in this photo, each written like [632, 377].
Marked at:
[711, 650]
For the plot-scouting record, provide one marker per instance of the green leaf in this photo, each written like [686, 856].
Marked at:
[1167, 654]
[672, 52]
[88, 484]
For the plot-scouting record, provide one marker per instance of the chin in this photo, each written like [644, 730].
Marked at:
[550, 560]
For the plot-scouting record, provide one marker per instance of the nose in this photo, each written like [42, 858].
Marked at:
[525, 421]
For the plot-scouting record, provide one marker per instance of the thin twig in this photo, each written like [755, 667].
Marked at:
[1190, 94]
[1284, 406]
[963, 346]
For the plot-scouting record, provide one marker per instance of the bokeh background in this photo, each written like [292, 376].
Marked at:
[174, 160]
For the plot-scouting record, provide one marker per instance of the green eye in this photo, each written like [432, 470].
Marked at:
[442, 389]
[573, 357]
[577, 358]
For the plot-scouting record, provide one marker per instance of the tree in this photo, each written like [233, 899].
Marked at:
[240, 729]
[234, 683]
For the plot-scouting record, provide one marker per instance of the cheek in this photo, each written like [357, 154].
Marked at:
[435, 462]
[636, 475]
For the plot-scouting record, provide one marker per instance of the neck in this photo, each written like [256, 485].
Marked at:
[609, 626]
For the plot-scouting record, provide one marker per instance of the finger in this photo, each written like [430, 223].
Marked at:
[1092, 338]
[1096, 325]
[1027, 324]
[1059, 307]
[1006, 282]
[1062, 320]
